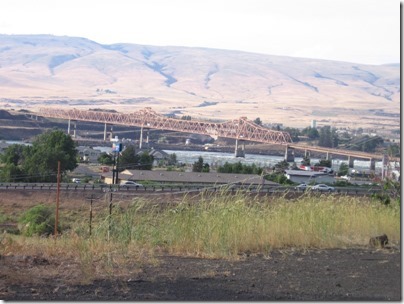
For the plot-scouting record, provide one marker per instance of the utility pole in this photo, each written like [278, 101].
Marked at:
[57, 201]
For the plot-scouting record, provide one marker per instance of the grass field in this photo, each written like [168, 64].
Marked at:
[218, 225]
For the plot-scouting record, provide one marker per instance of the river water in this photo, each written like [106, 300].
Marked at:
[219, 158]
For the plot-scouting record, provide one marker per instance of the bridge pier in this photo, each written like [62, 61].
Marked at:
[372, 164]
[105, 132]
[328, 156]
[290, 154]
[306, 153]
[69, 127]
[141, 138]
[237, 151]
[111, 133]
[350, 162]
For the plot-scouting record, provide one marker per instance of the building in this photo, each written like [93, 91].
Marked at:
[88, 154]
[307, 177]
[187, 177]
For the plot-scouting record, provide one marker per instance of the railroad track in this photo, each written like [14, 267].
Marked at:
[170, 188]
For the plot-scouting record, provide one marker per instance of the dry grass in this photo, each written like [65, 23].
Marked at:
[211, 226]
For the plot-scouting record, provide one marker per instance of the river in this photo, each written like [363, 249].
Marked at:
[219, 158]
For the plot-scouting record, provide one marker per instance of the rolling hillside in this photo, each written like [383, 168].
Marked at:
[205, 83]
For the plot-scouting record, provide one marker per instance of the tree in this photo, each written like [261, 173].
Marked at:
[41, 162]
[311, 133]
[324, 163]
[14, 154]
[281, 166]
[343, 169]
[200, 166]
[328, 137]
[294, 133]
[305, 161]
[128, 159]
[105, 159]
[145, 161]
[258, 121]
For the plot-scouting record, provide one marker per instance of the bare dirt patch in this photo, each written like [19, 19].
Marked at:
[345, 274]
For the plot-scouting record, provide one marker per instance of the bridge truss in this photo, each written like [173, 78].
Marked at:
[240, 129]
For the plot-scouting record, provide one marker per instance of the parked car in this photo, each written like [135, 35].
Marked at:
[131, 184]
[76, 180]
[323, 187]
[301, 187]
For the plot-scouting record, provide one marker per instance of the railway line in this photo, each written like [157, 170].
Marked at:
[178, 188]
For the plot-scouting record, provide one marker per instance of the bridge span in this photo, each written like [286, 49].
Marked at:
[240, 129]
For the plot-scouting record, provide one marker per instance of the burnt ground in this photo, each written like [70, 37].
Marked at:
[337, 274]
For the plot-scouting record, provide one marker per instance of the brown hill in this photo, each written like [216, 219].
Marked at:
[204, 83]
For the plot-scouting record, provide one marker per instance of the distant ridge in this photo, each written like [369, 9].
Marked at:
[200, 82]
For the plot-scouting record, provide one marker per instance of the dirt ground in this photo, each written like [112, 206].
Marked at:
[343, 274]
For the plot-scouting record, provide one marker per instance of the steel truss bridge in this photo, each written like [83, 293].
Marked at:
[239, 129]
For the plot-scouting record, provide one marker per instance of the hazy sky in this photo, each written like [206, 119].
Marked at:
[361, 31]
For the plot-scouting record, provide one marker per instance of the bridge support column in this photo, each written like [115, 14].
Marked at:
[289, 154]
[141, 137]
[105, 132]
[350, 162]
[328, 156]
[111, 133]
[74, 128]
[147, 137]
[306, 153]
[237, 151]
[68, 127]
[372, 164]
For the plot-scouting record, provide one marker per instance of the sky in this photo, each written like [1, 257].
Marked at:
[360, 31]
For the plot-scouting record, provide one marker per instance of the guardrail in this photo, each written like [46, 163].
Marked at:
[162, 188]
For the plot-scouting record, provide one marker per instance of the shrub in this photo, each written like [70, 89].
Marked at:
[38, 220]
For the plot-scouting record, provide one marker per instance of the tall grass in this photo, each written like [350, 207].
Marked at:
[225, 225]
[216, 225]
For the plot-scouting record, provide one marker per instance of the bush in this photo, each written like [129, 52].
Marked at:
[38, 220]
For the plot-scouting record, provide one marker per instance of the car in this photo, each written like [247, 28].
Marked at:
[301, 187]
[323, 187]
[76, 180]
[131, 184]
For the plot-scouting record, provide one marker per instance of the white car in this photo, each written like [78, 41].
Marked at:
[131, 184]
[323, 187]
[301, 187]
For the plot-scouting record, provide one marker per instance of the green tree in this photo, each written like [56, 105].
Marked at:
[328, 137]
[14, 154]
[343, 169]
[258, 121]
[394, 150]
[39, 162]
[281, 166]
[128, 159]
[105, 159]
[47, 149]
[305, 161]
[324, 163]
[311, 133]
[145, 161]
[200, 166]
[294, 133]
